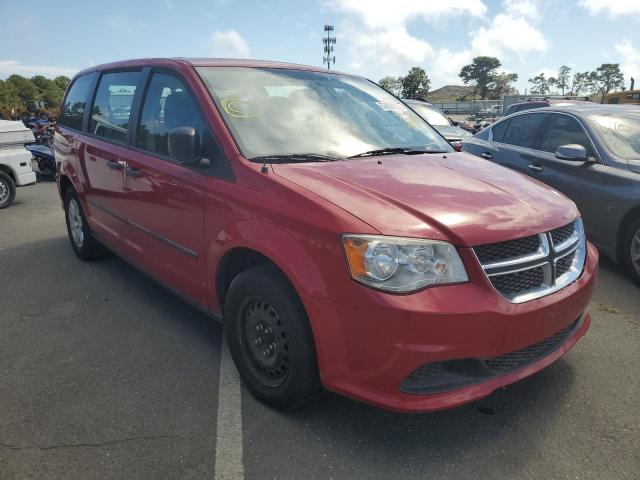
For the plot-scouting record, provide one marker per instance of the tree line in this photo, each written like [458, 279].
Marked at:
[17, 92]
[489, 83]
[604, 79]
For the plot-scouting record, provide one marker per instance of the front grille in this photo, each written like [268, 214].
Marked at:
[437, 377]
[519, 281]
[521, 358]
[564, 264]
[562, 234]
[523, 269]
[507, 250]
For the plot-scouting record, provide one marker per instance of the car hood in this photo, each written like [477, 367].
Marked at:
[452, 132]
[456, 197]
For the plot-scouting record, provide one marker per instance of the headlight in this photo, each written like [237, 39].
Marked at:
[399, 264]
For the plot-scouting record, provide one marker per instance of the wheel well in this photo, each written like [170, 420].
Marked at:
[232, 264]
[8, 171]
[65, 184]
[626, 221]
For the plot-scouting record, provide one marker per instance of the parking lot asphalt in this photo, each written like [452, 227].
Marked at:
[106, 375]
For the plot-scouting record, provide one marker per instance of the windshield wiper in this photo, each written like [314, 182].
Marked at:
[293, 158]
[395, 151]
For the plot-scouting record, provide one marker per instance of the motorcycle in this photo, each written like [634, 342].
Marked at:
[44, 158]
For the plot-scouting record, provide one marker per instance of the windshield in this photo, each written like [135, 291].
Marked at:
[620, 133]
[430, 114]
[278, 112]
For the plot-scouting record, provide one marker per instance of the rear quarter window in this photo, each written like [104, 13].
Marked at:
[498, 130]
[75, 103]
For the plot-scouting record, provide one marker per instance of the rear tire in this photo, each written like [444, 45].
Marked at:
[631, 250]
[7, 190]
[82, 240]
[270, 338]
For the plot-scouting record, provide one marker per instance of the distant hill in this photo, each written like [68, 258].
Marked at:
[450, 93]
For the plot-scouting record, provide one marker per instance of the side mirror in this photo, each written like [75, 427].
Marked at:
[183, 145]
[573, 152]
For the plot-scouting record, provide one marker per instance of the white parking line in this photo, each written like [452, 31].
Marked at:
[229, 425]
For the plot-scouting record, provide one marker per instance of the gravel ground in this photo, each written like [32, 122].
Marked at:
[103, 374]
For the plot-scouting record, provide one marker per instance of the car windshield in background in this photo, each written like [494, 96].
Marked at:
[279, 112]
[431, 115]
[621, 133]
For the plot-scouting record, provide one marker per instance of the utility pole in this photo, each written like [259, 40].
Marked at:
[329, 42]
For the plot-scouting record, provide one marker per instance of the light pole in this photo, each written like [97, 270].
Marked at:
[329, 42]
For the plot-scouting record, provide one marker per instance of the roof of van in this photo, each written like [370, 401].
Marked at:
[205, 62]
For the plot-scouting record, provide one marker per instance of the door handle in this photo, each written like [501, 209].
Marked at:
[114, 165]
[535, 168]
[132, 172]
[486, 155]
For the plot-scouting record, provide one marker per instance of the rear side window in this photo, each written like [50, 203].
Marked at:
[112, 105]
[522, 130]
[561, 130]
[76, 101]
[498, 131]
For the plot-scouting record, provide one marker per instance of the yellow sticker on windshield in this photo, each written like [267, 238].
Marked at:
[239, 108]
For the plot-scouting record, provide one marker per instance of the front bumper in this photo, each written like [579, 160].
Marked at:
[368, 342]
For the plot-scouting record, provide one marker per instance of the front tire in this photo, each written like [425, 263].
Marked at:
[631, 250]
[7, 190]
[270, 338]
[82, 240]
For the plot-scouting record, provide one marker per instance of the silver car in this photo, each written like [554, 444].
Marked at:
[589, 152]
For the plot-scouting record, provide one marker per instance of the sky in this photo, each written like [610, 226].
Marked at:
[375, 38]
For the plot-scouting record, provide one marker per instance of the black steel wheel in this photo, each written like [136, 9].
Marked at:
[270, 338]
[264, 341]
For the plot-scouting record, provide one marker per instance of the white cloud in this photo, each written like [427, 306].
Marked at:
[614, 8]
[393, 49]
[229, 43]
[9, 67]
[629, 60]
[507, 33]
[522, 8]
[382, 14]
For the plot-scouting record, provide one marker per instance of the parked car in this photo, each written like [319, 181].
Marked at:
[541, 102]
[591, 153]
[448, 129]
[340, 238]
[15, 160]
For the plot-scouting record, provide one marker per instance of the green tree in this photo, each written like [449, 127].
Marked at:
[9, 97]
[25, 89]
[580, 83]
[42, 83]
[481, 73]
[61, 82]
[562, 80]
[501, 85]
[416, 84]
[541, 85]
[393, 85]
[608, 77]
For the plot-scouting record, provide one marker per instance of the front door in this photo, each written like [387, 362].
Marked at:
[165, 198]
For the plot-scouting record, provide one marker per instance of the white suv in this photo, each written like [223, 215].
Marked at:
[15, 160]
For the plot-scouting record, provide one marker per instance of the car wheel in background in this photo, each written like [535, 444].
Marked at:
[270, 338]
[7, 190]
[631, 247]
[82, 240]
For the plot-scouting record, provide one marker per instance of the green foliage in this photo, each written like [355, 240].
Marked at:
[17, 91]
[416, 84]
[541, 85]
[393, 85]
[607, 77]
[501, 85]
[481, 73]
[562, 80]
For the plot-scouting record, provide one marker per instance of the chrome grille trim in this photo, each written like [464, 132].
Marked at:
[546, 257]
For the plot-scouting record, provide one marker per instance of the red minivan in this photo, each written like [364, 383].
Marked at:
[339, 237]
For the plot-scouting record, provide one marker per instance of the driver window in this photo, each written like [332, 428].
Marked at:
[561, 130]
